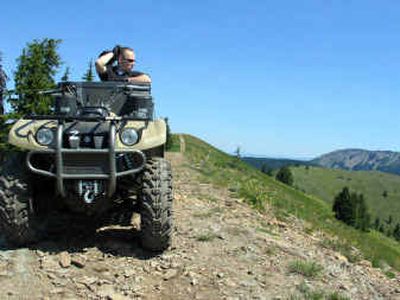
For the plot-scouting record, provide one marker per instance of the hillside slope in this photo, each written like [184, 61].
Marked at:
[273, 163]
[222, 249]
[381, 190]
[358, 159]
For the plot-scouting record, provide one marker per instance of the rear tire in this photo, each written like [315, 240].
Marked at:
[155, 200]
[17, 219]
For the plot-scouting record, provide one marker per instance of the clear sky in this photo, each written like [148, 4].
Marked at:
[277, 78]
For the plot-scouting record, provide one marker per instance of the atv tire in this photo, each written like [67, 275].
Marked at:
[17, 220]
[155, 200]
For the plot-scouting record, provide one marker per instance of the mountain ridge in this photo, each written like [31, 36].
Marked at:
[360, 159]
[351, 159]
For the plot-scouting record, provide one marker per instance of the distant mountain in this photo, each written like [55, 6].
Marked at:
[358, 159]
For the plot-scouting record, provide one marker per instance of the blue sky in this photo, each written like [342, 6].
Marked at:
[277, 78]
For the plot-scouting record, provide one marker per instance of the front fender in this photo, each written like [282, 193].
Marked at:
[152, 135]
[22, 133]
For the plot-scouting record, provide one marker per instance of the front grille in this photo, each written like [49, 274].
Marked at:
[78, 163]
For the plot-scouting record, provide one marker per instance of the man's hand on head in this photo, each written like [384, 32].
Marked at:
[116, 51]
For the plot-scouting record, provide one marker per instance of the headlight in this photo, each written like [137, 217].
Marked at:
[44, 136]
[129, 136]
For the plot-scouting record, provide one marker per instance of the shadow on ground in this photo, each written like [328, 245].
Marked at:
[113, 240]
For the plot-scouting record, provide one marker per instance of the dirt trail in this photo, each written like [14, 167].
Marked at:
[221, 249]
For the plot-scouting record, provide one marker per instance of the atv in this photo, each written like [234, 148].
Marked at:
[99, 154]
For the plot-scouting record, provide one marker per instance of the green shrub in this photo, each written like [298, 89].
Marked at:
[305, 268]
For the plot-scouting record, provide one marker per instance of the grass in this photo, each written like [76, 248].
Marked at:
[272, 250]
[208, 198]
[342, 247]
[309, 294]
[263, 192]
[206, 237]
[308, 269]
[175, 144]
[265, 228]
[390, 275]
[381, 190]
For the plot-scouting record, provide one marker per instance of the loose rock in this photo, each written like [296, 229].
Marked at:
[65, 259]
[78, 261]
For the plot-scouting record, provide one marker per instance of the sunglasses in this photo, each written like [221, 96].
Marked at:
[129, 60]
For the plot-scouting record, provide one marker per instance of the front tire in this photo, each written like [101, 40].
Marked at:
[155, 199]
[17, 219]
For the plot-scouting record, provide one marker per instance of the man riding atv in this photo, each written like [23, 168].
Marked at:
[99, 154]
[117, 65]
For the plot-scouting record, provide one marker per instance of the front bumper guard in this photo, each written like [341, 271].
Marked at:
[60, 175]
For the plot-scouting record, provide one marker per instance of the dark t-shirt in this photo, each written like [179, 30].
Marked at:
[113, 73]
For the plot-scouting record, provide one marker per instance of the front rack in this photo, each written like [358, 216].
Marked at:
[59, 150]
[81, 118]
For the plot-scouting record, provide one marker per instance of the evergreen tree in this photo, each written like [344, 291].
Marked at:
[389, 231]
[285, 175]
[36, 68]
[65, 77]
[352, 210]
[396, 232]
[377, 223]
[362, 217]
[343, 207]
[89, 75]
[266, 170]
[3, 126]
[3, 80]
[238, 152]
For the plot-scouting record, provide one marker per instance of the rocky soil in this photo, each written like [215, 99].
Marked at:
[222, 249]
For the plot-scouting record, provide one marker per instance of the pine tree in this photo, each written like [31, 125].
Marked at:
[389, 220]
[343, 207]
[89, 75]
[36, 68]
[3, 80]
[238, 152]
[396, 232]
[377, 223]
[65, 77]
[362, 217]
[285, 175]
[3, 117]
[352, 209]
[264, 168]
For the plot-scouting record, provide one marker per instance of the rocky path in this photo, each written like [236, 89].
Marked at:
[221, 249]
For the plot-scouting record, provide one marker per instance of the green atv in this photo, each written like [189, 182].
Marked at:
[100, 155]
